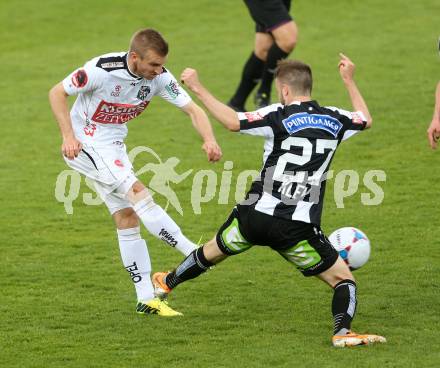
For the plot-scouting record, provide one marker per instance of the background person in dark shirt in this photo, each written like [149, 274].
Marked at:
[275, 38]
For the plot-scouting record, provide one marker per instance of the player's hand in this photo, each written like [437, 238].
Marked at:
[190, 79]
[346, 68]
[434, 133]
[213, 151]
[71, 147]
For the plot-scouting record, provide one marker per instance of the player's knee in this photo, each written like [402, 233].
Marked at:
[342, 277]
[261, 54]
[213, 252]
[138, 187]
[336, 273]
[263, 42]
[126, 218]
[339, 273]
[286, 36]
[262, 49]
[287, 44]
[138, 192]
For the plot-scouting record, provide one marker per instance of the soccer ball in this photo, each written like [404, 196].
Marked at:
[353, 246]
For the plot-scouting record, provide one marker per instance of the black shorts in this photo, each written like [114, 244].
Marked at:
[269, 14]
[298, 242]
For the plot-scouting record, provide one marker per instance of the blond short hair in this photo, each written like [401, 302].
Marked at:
[148, 39]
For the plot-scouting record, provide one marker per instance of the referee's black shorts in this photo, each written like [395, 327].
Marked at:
[300, 243]
[269, 14]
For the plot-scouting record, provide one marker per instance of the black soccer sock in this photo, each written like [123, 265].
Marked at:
[273, 56]
[191, 267]
[251, 75]
[344, 305]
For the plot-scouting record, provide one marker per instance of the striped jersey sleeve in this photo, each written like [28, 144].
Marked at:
[258, 122]
[353, 122]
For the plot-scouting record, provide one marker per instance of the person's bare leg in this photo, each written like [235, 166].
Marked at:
[285, 38]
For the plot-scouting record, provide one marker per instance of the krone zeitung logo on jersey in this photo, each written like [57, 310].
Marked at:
[116, 113]
[303, 120]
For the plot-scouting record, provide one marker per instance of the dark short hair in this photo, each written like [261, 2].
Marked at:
[148, 39]
[296, 74]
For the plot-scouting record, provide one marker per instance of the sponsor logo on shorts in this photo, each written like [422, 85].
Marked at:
[80, 79]
[314, 267]
[296, 122]
[167, 237]
[253, 116]
[135, 276]
[115, 113]
[119, 163]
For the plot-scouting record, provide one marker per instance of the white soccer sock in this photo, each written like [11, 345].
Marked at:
[136, 260]
[162, 226]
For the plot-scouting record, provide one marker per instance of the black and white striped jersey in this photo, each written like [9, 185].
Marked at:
[300, 141]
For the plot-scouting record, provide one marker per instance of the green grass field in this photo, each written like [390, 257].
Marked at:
[66, 301]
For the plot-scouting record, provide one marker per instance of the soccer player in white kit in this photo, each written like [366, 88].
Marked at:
[113, 89]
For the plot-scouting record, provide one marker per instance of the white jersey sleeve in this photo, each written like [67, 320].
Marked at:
[171, 91]
[85, 79]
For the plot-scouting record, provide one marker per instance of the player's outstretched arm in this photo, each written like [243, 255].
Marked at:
[434, 127]
[224, 114]
[58, 102]
[346, 70]
[201, 124]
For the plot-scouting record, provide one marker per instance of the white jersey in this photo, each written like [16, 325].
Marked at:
[109, 95]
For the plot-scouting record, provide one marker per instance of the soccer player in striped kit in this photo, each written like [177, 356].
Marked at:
[283, 208]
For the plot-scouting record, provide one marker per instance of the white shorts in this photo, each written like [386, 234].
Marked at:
[110, 170]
